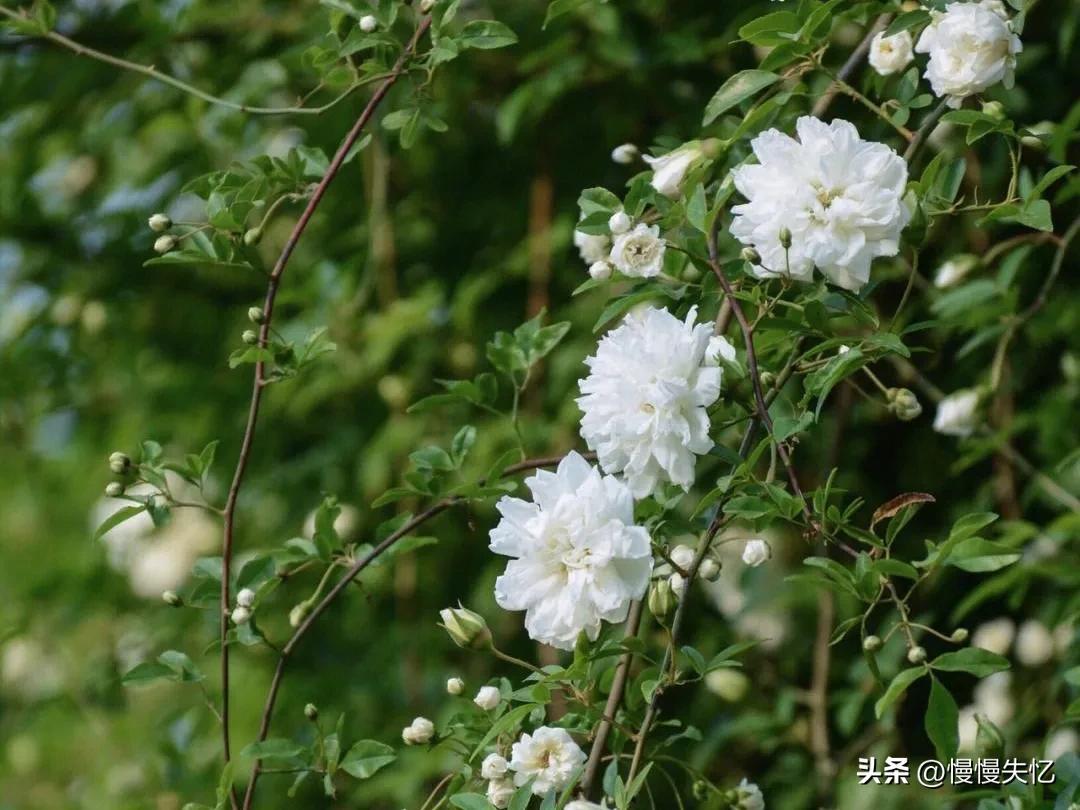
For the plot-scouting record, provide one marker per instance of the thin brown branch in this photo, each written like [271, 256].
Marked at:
[852, 64]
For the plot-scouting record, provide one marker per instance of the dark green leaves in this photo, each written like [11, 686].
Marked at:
[973, 660]
[366, 757]
[486, 35]
[170, 666]
[942, 721]
[899, 685]
[514, 354]
[738, 88]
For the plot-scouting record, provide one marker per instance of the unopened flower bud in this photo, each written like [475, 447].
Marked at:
[256, 315]
[119, 463]
[114, 489]
[682, 556]
[298, 614]
[420, 731]
[994, 109]
[709, 570]
[159, 223]
[785, 237]
[163, 244]
[691, 273]
[600, 270]
[750, 255]
[701, 790]
[172, 598]
[488, 698]
[678, 585]
[619, 222]
[252, 236]
[711, 147]
[959, 635]
[245, 597]
[241, 615]
[756, 552]
[625, 154]
[311, 712]
[904, 404]
[455, 686]
[368, 23]
[250, 337]
[466, 628]
[989, 741]
[916, 655]
[872, 643]
[427, 5]
[661, 599]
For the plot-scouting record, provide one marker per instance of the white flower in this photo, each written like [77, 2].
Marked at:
[579, 558]
[953, 271]
[889, 55]
[669, 170]
[682, 556]
[500, 792]
[619, 222]
[1061, 742]
[971, 47]
[1034, 644]
[494, 766]
[420, 731]
[625, 153]
[750, 797]
[719, 350]
[240, 615]
[644, 401]
[727, 684]
[678, 585]
[639, 252]
[455, 686]
[549, 756]
[968, 728]
[368, 23]
[591, 247]
[488, 697]
[600, 270]
[957, 414]
[992, 698]
[756, 552]
[840, 197]
[996, 635]
[245, 597]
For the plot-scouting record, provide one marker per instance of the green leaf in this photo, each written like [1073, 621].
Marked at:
[974, 660]
[979, 556]
[470, 801]
[777, 28]
[906, 21]
[182, 666]
[146, 672]
[116, 518]
[486, 35]
[737, 89]
[942, 721]
[273, 748]
[366, 757]
[462, 443]
[557, 8]
[899, 685]
[697, 209]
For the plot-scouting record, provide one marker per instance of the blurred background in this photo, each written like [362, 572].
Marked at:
[413, 261]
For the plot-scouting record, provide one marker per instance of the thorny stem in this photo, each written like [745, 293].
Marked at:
[172, 81]
[258, 381]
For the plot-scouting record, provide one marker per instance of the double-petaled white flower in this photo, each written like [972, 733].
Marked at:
[418, 732]
[889, 55]
[645, 398]
[500, 792]
[639, 251]
[549, 756]
[592, 247]
[840, 199]
[971, 46]
[494, 766]
[578, 557]
[958, 413]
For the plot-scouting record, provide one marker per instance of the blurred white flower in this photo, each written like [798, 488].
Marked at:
[954, 270]
[889, 55]
[600, 270]
[1063, 638]
[958, 413]
[840, 197]
[578, 557]
[644, 401]
[29, 670]
[164, 562]
[121, 540]
[639, 252]
[995, 635]
[494, 766]
[488, 698]
[368, 23]
[345, 524]
[455, 686]
[1063, 741]
[749, 796]
[682, 556]
[968, 728]
[1034, 644]
[993, 698]
[420, 731]
[240, 615]
[549, 756]
[768, 627]
[971, 47]
[756, 552]
[625, 153]
[500, 792]
[245, 597]
[669, 170]
[727, 684]
[592, 247]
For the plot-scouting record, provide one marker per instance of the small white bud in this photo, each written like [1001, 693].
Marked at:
[298, 614]
[488, 698]
[163, 244]
[172, 599]
[256, 315]
[245, 597]
[159, 223]
[682, 556]
[619, 222]
[709, 570]
[756, 552]
[420, 731]
[625, 153]
[466, 628]
[455, 686]
[368, 23]
[494, 766]
[114, 490]
[426, 6]
[785, 237]
[600, 270]
[241, 615]
[677, 583]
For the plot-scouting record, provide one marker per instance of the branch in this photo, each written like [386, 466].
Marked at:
[924, 130]
[852, 63]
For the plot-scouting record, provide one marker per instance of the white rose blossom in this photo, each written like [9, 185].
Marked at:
[750, 797]
[840, 197]
[958, 413]
[488, 698]
[578, 557]
[670, 170]
[756, 552]
[500, 792]
[639, 252]
[889, 55]
[549, 756]
[644, 400]
[971, 46]
[494, 766]
[592, 247]
[420, 731]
